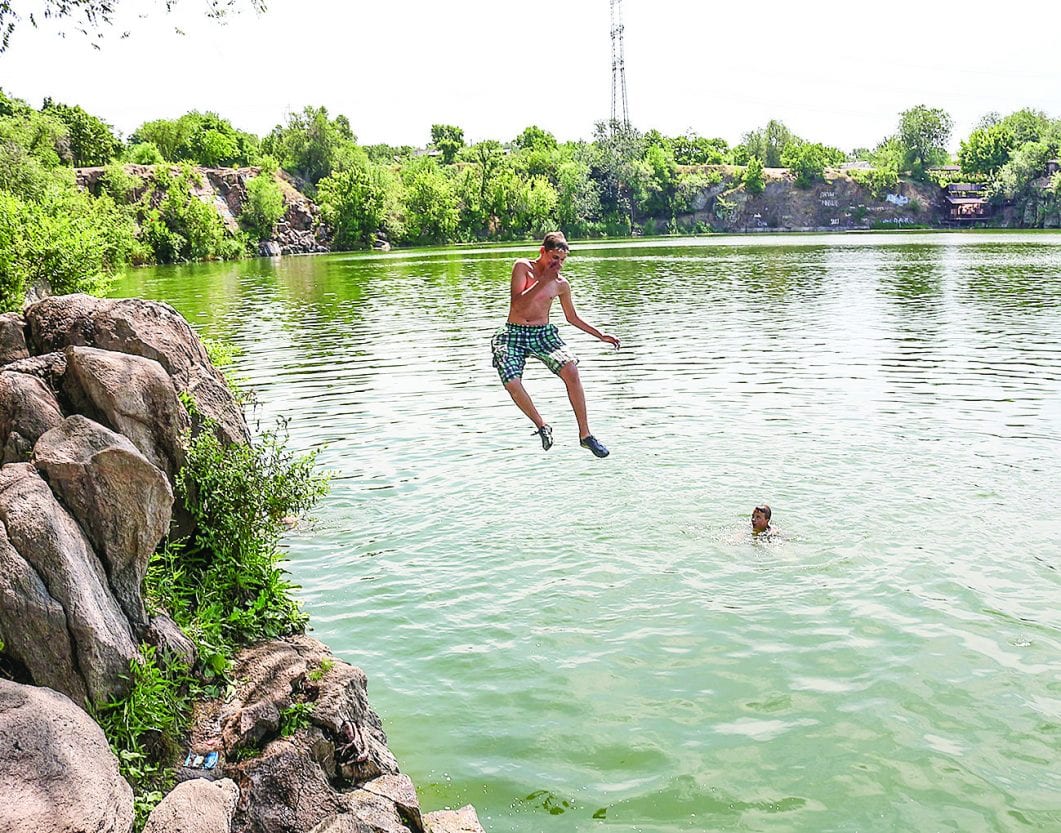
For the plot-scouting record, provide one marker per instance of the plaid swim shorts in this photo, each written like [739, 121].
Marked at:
[514, 342]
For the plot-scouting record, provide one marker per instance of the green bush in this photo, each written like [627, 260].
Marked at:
[182, 226]
[879, 181]
[753, 177]
[146, 727]
[264, 206]
[144, 153]
[71, 242]
[225, 585]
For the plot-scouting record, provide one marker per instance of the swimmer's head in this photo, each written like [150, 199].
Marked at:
[761, 518]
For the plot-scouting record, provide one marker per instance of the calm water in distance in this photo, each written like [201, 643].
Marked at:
[575, 644]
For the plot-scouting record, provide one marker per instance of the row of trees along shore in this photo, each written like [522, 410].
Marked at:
[621, 181]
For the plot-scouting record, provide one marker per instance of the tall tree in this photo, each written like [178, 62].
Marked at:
[986, 150]
[924, 132]
[447, 139]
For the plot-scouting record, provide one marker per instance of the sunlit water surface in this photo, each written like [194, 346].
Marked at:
[575, 644]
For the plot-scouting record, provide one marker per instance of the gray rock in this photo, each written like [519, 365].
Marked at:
[12, 338]
[463, 820]
[122, 501]
[49, 368]
[400, 791]
[164, 634]
[269, 248]
[57, 771]
[33, 626]
[141, 328]
[379, 813]
[251, 725]
[132, 395]
[345, 823]
[28, 409]
[52, 543]
[286, 790]
[196, 806]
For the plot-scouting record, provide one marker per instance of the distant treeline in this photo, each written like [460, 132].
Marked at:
[444, 192]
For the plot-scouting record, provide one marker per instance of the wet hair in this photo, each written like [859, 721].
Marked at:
[555, 240]
[762, 507]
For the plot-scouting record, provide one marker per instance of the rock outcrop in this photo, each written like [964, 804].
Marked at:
[332, 770]
[301, 229]
[57, 771]
[93, 427]
[196, 806]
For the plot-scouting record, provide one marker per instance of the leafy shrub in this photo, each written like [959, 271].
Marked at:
[295, 717]
[145, 728]
[226, 585]
[264, 206]
[879, 181]
[182, 226]
[753, 176]
[144, 153]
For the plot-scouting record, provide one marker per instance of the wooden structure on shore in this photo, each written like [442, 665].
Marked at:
[966, 203]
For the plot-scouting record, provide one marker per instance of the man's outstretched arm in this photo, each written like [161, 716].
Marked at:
[575, 321]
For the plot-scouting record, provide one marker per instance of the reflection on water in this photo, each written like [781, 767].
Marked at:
[567, 642]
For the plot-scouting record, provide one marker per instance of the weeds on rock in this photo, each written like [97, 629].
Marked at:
[145, 728]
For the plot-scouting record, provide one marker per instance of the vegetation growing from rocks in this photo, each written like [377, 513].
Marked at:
[264, 206]
[145, 728]
[223, 586]
[753, 177]
[181, 226]
[295, 717]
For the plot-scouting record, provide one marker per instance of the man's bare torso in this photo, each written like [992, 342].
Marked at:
[534, 310]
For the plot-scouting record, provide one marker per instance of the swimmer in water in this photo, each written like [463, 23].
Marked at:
[761, 520]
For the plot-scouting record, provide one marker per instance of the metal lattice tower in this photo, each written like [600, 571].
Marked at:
[618, 67]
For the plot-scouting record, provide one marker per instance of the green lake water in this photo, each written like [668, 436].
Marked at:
[574, 644]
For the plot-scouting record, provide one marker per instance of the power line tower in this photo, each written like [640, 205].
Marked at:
[618, 67]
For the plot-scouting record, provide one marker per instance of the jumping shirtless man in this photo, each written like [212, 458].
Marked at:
[535, 284]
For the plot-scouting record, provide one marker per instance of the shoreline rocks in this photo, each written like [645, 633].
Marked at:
[92, 427]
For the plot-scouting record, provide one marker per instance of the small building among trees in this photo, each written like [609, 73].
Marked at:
[966, 203]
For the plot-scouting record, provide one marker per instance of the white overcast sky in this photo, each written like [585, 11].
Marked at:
[836, 72]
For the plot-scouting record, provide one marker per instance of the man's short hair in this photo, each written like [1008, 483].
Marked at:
[555, 240]
[762, 507]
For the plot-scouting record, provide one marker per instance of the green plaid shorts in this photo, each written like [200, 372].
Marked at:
[514, 342]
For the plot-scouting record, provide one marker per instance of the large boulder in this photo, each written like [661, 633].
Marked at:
[286, 791]
[196, 806]
[281, 673]
[132, 395]
[50, 541]
[33, 626]
[12, 338]
[28, 409]
[149, 329]
[463, 820]
[57, 772]
[123, 502]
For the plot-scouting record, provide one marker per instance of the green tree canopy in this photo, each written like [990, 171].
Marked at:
[769, 143]
[90, 140]
[753, 176]
[447, 139]
[691, 149]
[986, 150]
[924, 132]
[311, 145]
[534, 138]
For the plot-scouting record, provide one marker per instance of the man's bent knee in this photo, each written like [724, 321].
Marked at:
[569, 372]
